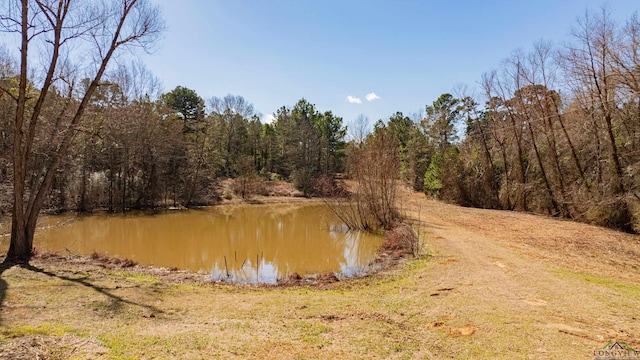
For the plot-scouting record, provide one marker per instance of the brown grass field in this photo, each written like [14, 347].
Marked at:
[491, 285]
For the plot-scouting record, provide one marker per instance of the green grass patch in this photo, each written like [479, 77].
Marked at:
[620, 286]
[134, 277]
[313, 333]
[135, 346]
[40, 329]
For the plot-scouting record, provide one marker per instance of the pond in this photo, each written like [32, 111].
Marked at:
[244, 243]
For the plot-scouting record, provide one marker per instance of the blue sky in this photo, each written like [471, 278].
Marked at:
[274, 52]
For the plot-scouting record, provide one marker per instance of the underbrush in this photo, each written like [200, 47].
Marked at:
[402, 240]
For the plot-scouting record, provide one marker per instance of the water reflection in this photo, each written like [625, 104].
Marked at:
[236, 243]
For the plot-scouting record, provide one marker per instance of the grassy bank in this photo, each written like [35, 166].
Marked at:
[125, 314]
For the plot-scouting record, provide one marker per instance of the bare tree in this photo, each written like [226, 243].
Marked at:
[589, 64]
[231, 115]
[137, 82]
[477, 128]
[61, 27]
[374, 167]
[359, 130]
[503, 86]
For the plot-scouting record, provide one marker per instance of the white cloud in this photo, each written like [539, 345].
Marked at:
[268, 119]
[353, 100]
[372, 96]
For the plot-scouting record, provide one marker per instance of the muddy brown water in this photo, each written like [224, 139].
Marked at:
[245, 243]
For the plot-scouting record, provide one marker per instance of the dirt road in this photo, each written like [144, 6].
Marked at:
[554, 289]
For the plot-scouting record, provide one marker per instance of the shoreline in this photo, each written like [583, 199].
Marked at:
[386, 258]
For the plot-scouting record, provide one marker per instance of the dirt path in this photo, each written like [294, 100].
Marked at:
[558, 288]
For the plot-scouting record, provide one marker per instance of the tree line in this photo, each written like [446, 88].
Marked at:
[557, 131]
[136, 151]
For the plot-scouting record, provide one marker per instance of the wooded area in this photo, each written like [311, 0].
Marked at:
[556, 131]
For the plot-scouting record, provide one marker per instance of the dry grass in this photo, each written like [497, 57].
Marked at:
[261, 189]
[101, 258]
[402, 241]
[497, 285]
[577, 246]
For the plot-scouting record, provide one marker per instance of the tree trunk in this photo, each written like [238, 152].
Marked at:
[507, 185]
[618, 187]
[551, 139]
[49, 18]
[82, 206]
[543, 172]
[521, 195]
[490, 177]
[21, 244]
[574, 153]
